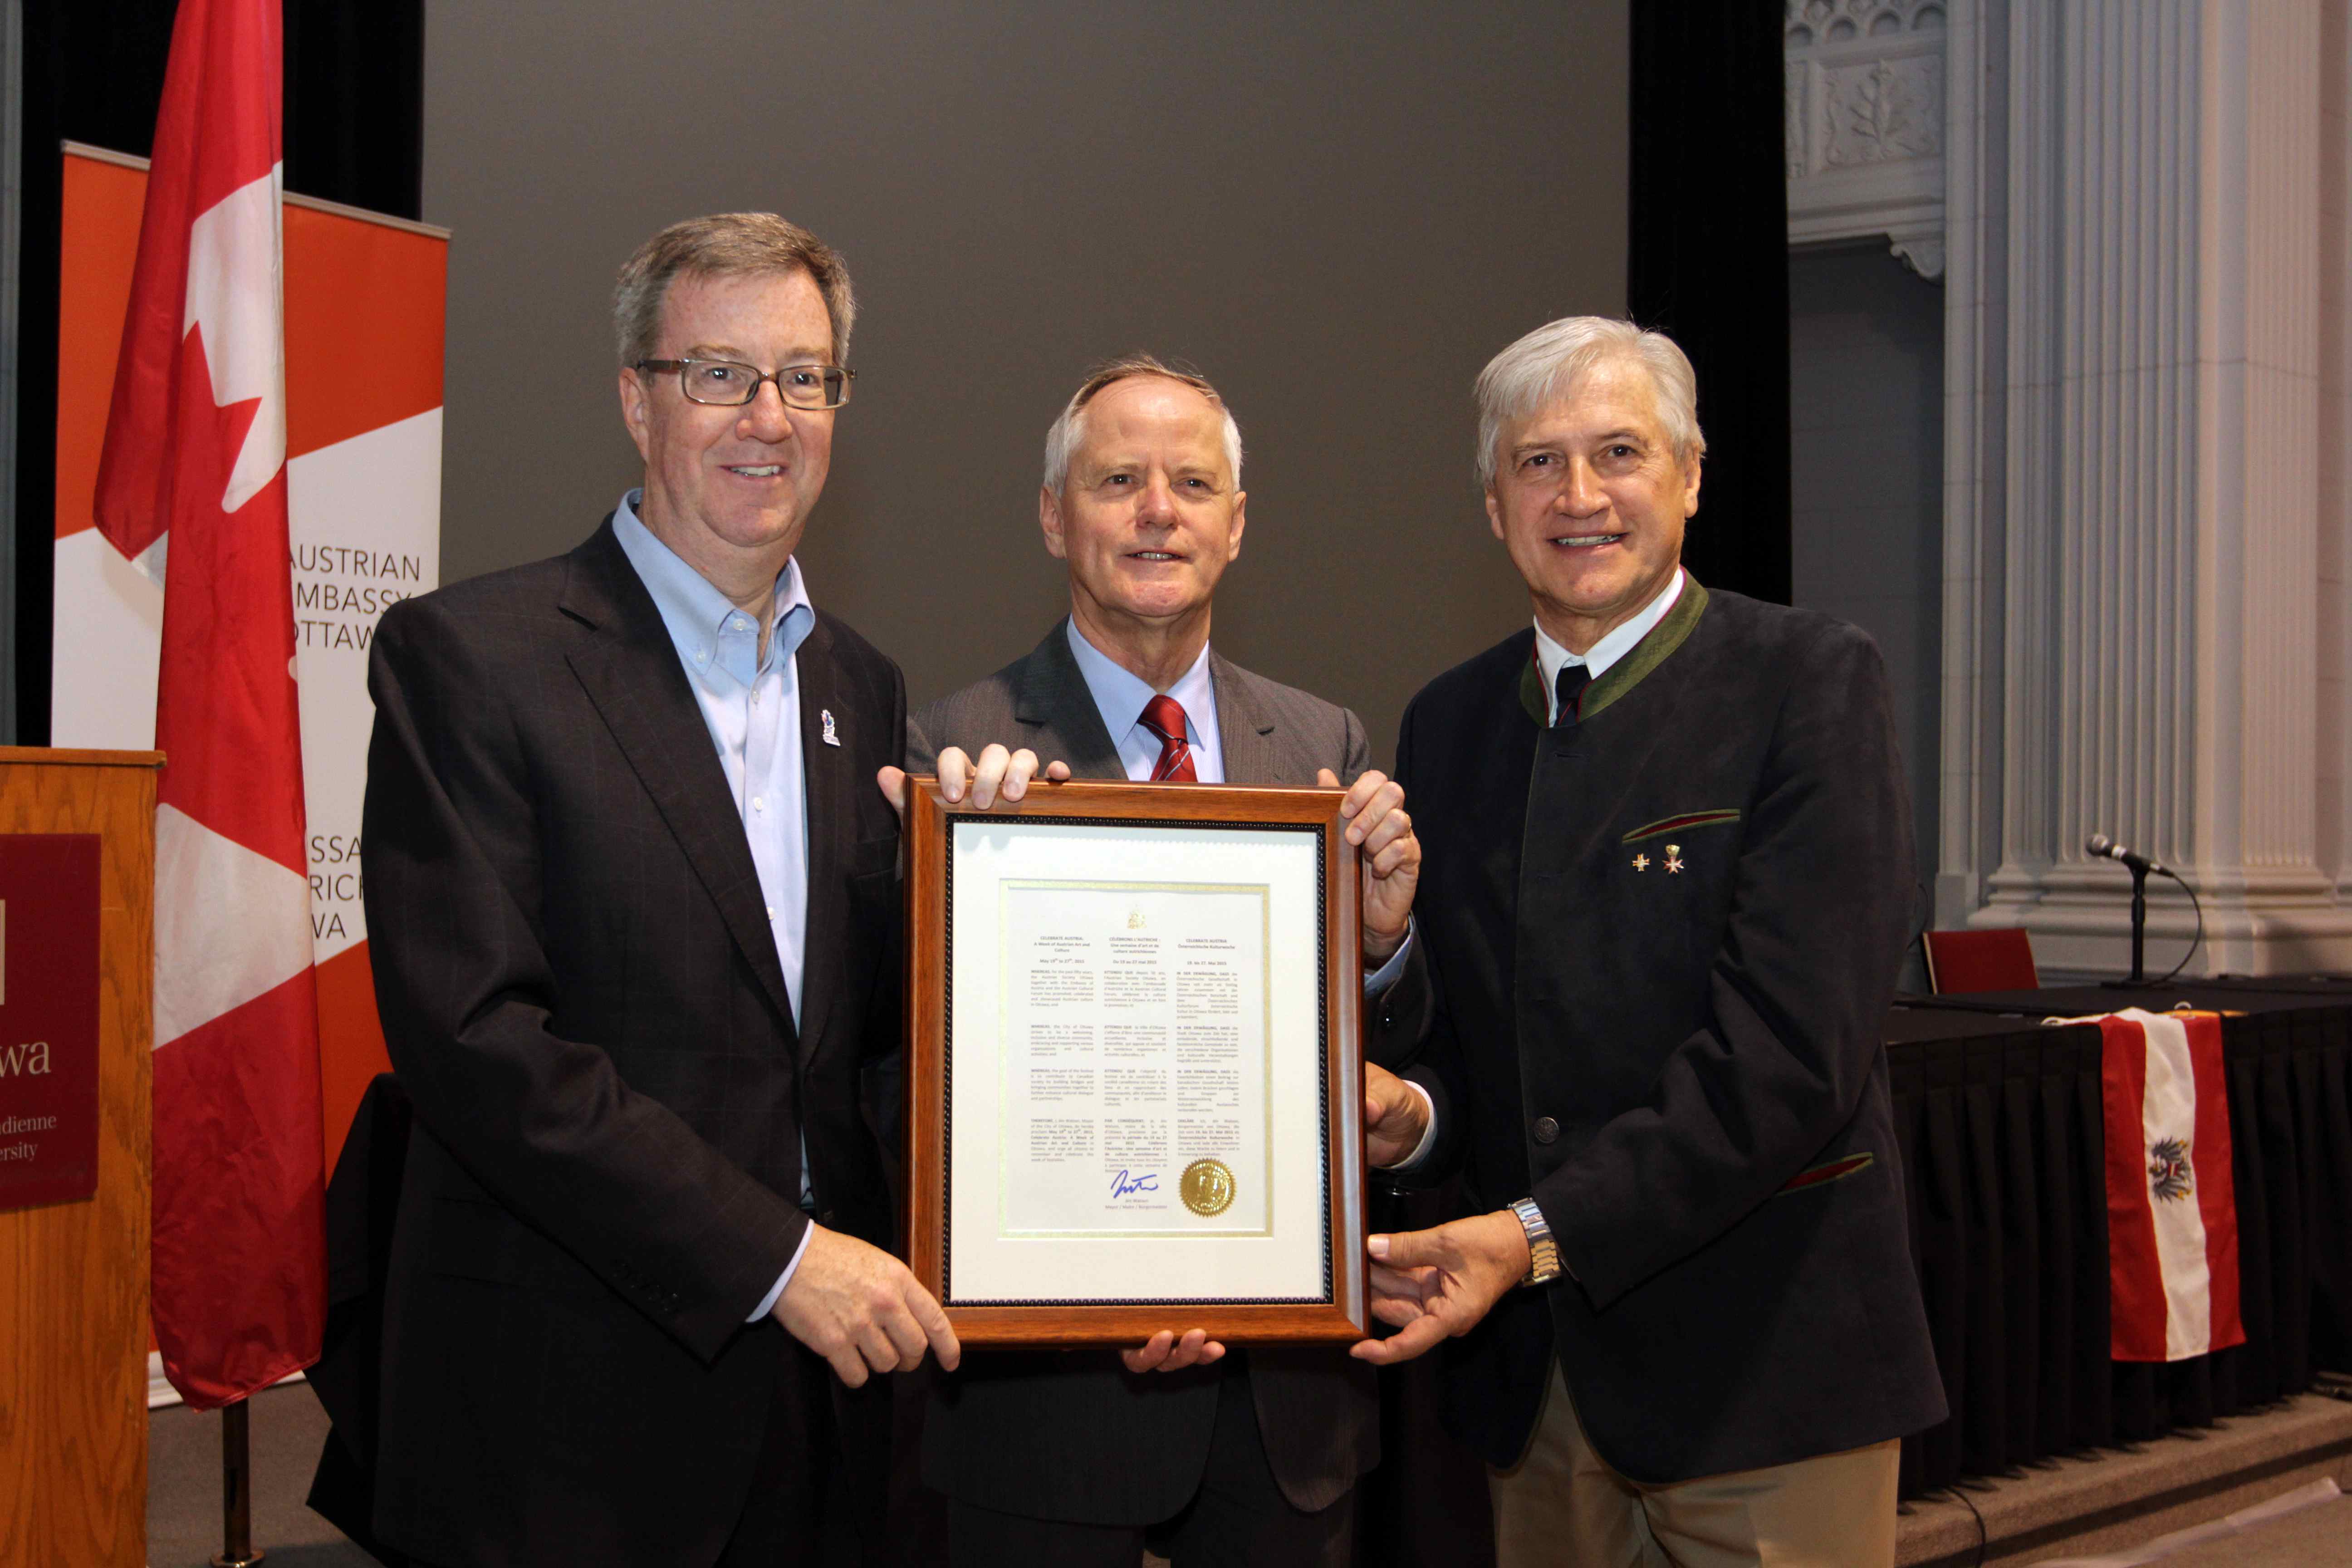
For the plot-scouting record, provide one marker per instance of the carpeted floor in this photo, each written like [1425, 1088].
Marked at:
[183, 1499]
[2294, 1530]
[2316, 1538]
[183, 1485]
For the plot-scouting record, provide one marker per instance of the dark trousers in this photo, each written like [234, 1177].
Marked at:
[818, 1490]
[1238, 1518]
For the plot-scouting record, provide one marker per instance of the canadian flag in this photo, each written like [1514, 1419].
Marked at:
[195, 469]
[2172, 1211]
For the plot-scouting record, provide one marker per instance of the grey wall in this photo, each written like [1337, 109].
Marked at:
[1337, 212]
[1866, 384]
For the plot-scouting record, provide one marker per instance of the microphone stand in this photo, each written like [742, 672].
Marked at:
[2138, 976]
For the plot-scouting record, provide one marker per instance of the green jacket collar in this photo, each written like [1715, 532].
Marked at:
[1627, 672]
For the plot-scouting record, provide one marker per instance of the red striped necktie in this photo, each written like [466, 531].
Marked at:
[1164, 717]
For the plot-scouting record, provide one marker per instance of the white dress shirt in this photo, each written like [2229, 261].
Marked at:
[1550, 655]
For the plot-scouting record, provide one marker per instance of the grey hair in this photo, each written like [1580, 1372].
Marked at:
[1067, 432]
[1548, 362]
[725, 244]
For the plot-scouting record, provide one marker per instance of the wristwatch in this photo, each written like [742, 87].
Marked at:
[1543, 1252]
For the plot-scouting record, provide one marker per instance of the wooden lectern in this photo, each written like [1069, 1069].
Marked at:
[73, 1273]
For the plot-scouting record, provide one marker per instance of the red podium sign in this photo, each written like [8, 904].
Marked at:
[48, 1018]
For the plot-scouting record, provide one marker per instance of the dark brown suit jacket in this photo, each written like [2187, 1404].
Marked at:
[1072, 1435]
[1665, 939]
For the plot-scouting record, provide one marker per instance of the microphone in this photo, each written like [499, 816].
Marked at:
[2099, 844]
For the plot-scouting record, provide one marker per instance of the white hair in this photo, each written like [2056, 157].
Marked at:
[1063, 438]
[1548, 363]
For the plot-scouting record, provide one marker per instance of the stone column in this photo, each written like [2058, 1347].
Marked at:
[2134, 540]
[2334, 415]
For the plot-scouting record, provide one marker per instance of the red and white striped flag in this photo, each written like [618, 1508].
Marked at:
[2172, 1211]
[194, 471]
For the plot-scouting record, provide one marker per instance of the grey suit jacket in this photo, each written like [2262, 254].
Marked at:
[1268, 733]
[1071, 1433]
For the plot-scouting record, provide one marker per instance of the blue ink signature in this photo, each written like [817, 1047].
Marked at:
[1123, 1184]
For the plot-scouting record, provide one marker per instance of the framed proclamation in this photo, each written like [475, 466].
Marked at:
[1135, 1082]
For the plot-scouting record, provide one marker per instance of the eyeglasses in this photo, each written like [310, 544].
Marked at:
[731, 386]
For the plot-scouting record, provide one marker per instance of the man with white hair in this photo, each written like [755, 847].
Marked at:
[1666, 887]
[1065, 1457]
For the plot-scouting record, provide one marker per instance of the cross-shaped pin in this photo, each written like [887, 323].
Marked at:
[1640, 862]
[1674, 857]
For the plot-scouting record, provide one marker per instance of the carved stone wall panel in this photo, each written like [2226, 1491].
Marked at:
[1863, 96]
[1882, 110]
[1811, 23]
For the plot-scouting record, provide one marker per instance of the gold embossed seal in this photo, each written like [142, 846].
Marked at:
[1207, 1187]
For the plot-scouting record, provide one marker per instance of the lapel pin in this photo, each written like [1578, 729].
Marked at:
[830, 736]
[1674, 856]
[1640, 862]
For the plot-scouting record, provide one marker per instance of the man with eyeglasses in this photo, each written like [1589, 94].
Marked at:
[633, 898]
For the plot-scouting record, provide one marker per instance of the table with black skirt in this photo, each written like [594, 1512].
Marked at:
[2004, 1145]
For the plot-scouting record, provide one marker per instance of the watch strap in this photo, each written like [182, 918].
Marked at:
[1543, 1252]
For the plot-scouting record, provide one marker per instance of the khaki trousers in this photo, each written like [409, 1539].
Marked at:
[1562, 1504]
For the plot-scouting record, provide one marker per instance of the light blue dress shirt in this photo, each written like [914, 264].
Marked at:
[752, 704]
[1119, 695]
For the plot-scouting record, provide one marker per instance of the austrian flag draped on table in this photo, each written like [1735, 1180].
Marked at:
[2172, 1211]
[192, 488]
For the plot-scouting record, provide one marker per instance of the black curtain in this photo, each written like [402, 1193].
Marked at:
[1707, 264]
[94, 73]
[355, 103]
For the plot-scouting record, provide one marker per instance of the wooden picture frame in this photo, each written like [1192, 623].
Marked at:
[1094, 1285]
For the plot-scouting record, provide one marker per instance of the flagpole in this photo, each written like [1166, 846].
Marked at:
[236, 1490]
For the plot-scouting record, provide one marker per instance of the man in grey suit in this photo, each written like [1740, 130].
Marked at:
[1062, 1457]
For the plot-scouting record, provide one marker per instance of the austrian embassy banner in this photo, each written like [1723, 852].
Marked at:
[365, 302]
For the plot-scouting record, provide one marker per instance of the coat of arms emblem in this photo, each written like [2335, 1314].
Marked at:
[2168, 1175]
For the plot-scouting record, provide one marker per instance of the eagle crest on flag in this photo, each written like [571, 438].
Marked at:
[2169, 1173]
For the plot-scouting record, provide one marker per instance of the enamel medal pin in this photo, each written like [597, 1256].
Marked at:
[829, 736]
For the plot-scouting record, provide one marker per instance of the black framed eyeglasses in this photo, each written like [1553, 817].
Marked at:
[731, 386]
